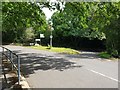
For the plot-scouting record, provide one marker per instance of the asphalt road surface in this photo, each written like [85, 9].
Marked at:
[44, 69]
[0, 69]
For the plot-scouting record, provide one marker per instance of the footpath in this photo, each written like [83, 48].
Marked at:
[9, 77]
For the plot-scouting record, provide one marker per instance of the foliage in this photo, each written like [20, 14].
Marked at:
[91, 20]
[110, 17]
[75, 21]
[28, 35]
[18, 16]
[104, 55]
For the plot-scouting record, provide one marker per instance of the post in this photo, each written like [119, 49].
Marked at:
[18, 70]
[7, 54]
[2, 52]
[40, 40]
[11, 58]
[51, 40]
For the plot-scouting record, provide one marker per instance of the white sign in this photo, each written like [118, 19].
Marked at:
[42, 36]
[37, 39]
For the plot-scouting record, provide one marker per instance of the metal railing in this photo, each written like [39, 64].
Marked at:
[14, 60]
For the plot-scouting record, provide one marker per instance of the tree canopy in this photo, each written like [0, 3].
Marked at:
[18, 16]
[91, 20]
[23, 21]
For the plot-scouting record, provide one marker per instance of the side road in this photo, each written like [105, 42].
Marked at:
[44, 69]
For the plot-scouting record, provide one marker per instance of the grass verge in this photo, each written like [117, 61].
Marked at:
[57, 49]
[104, 55]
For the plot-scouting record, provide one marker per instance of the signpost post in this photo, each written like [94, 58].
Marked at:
[51, 29]
[51, 40]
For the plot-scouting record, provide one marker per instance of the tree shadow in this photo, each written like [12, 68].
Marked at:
[85, 55]
[30, 62]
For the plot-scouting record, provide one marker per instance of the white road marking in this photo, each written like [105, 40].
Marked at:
[104, 75]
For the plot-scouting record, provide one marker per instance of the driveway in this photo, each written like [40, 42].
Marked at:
[44, 69]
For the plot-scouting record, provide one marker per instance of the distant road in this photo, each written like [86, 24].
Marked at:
[44, 69]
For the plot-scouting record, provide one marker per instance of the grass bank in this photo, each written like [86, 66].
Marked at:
[57, 49]
[104, 55]
[107, 56]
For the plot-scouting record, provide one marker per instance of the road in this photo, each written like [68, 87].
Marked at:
[0, 69]
[43, 69]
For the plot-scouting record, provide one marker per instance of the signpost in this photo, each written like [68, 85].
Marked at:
[51, 40]
[41, 36]
[51, 29]
[37, 40]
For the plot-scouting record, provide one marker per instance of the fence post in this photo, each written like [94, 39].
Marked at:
[11, 57]
[18, 70]
[2, 52]
[3, 49]
[8, 53]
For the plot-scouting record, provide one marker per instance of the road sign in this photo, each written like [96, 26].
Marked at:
[42, 36]
[37, 39]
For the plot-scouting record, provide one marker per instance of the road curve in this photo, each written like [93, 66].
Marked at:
[44, 69]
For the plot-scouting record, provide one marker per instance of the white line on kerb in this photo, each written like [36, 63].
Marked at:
[104, 75]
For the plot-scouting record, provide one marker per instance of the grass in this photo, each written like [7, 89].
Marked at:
[104, 55]
[57, 49]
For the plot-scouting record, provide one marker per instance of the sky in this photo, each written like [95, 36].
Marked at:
[48, 13]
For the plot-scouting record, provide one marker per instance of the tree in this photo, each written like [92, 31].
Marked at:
[18, 16]
[91, 20]
[109, 22]
[75, 22]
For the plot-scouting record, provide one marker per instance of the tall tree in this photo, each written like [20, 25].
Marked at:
[107, 18]
[92, 20]
[75, 22]
[17, 16]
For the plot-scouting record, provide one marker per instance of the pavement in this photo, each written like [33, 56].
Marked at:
[44, 69]
[8, 77]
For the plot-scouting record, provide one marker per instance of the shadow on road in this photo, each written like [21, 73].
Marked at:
[85, 55]
[31, 62]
